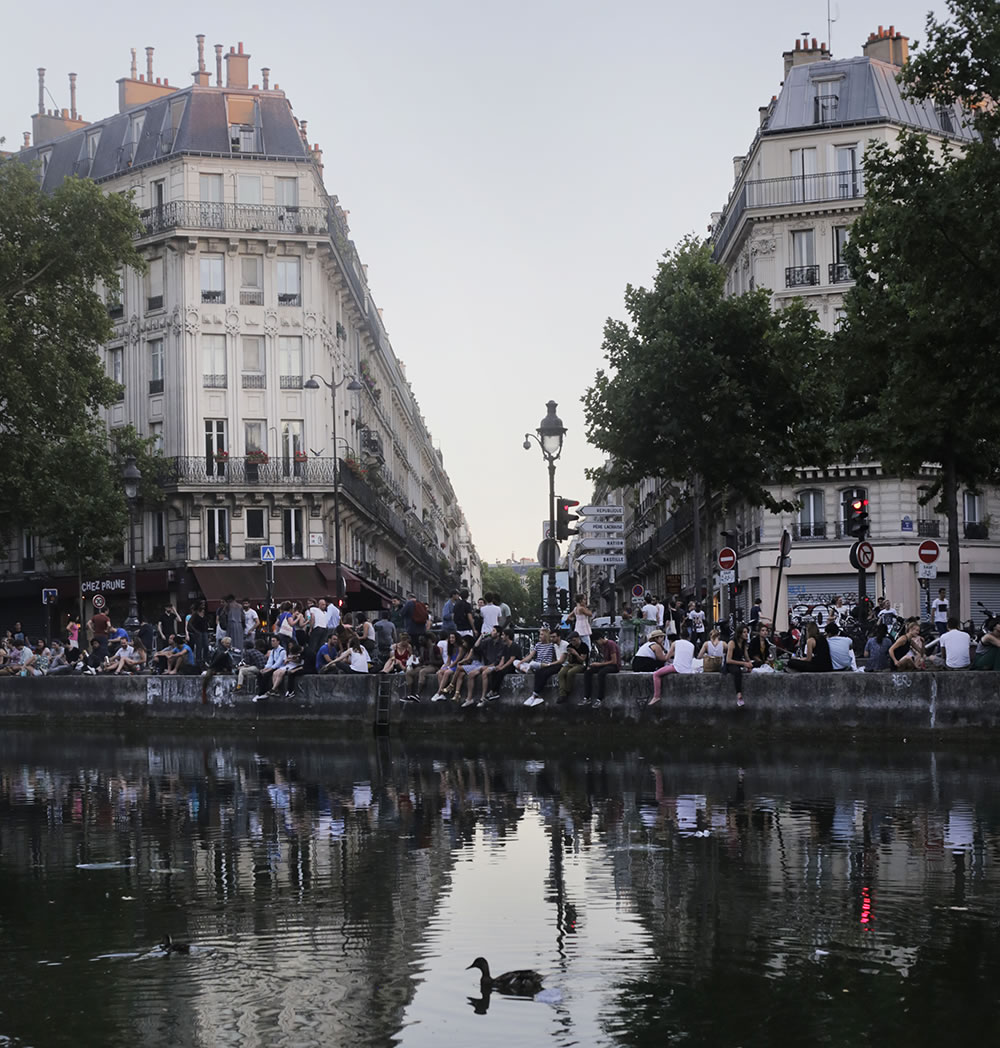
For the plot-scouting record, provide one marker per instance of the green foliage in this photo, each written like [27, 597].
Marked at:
[704, 385]
[54, 250]
[506, 583]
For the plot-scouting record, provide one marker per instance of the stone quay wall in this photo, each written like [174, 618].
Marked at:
[888, 703]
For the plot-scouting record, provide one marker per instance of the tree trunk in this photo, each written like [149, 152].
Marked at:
[696, 530]
[709, 566]
[950, 500]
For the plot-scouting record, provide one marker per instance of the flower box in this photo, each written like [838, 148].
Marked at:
[301, 456]
[222, 456]
[257, 458]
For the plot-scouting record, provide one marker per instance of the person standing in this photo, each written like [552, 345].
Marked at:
[251, 622]
[448, 613]
[738, 660]
[490, 612]
[197, 627]
[939, 609]
[463, 615]
[100, 629]
[581, 620]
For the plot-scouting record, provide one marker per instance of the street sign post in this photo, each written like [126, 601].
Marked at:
[602, 511]
[609, 560]
[727, 559]
[727, 576]
[928, 551]
[608, 542]
[548, 553]
[926, 571]
[50, 596]
[601, 527]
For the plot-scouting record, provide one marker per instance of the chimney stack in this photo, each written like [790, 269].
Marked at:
[265, 76]
[27, 140]
[149, 64]
[890, 47]
[237, 68]
[72, 96]
[218, 65]
[805, 53]
[41, 90]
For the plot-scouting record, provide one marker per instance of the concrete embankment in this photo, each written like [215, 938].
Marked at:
[960, 703]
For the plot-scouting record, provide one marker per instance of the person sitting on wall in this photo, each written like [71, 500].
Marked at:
[286, 674]
[987, 655]
[354, 659]
[250, 666]
[180, 657]
[759, 649]
[841, 649]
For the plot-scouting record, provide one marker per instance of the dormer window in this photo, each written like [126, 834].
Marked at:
[243, 139]
[827, 101]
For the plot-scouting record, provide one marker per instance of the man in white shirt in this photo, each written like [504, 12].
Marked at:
[332, 615]
[649, 609]
[659, 612]
[251, 620]
[490, 612]
[841, 648]
[939, 607]
[956, 644]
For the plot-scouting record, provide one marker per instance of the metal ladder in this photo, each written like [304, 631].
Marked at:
[383, 702]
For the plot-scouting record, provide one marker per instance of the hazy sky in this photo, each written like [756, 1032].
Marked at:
[508, 168]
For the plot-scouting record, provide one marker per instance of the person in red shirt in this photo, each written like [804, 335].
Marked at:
[100, 627]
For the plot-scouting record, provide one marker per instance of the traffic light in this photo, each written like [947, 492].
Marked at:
[564, 599]
[563, 517]
[856, 522]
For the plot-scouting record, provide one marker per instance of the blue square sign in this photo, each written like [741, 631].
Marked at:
[267, 553]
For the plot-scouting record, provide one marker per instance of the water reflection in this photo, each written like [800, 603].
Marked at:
[334, 894]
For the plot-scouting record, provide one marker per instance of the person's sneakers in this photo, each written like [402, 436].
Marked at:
[596, 704]
[438, 697]
[532, 700]
[493, 695]
[481, 704]
[468, 703]
[739, 700]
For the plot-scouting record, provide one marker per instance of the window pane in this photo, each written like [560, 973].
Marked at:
[211, 188]
[156, 360]
[286, 191]
[290, 354]
[248, 189]
[255, 524]
[250, 268]
[255, 434]
[253, 353]
[288, 276]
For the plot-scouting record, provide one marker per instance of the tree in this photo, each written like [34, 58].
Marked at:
[507, 585]
[919, 342]
[718, 394]
[56, 250]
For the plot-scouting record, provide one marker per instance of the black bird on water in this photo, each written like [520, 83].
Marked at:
[169, 946]
[520, 983]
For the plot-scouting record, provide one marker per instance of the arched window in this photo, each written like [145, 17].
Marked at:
[812, 519]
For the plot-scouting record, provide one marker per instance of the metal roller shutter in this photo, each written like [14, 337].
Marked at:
[984, 589]
[824, 589]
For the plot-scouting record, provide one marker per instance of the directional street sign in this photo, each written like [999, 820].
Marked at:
[267, 553]
[727, 559]
[609, 560]
[607, 542]
[928, 551]
[601, 511]
[926, 571]
[601, 527]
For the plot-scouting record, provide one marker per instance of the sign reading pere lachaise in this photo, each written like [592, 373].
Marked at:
[114, 585]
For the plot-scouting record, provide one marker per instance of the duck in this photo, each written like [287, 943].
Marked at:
[520, 983]
[169, 946]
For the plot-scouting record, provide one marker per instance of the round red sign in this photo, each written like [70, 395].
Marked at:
[727, 558]
[928, 551]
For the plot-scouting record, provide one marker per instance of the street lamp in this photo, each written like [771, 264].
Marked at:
[353, 385]
[131, 477]
[549, 437]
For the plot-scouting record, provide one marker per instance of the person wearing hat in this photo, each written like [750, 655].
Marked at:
[651, 655]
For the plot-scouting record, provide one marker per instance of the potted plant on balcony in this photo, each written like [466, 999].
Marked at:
[222, 456]
[256, 457]
[301, 456]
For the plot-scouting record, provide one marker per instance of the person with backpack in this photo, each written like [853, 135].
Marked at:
[415, 617]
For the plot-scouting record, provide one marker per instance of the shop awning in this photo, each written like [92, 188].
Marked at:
[329, 573]
[242, 581]
[362, 593]
[298, 581]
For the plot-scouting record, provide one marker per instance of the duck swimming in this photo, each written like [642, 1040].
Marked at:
[169, 946]
[520, 983]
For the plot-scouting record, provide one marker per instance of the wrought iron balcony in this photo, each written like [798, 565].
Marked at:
[237, 471]
[250, 218]
[289, 299]
[807, 530]
[805, 189]
[156, 385]
[801, 276]
[214, 382]
[930, 529]
[290, 381]
[218, 297]
[976, 530]
[249, 297]
[839, 272]
[253, 380]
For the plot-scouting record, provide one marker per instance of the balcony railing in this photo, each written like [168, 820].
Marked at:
[930, 529]
[290, 381]
[156, 385]
[839, 272]
[218, 297]
[116, 310]
[214, 382]
[806, 530]
[977, 530]
[252, 218]
[154, 302]
[253, 380]
[801, 276]
[251, 298]
[236, 470]
[289, 299]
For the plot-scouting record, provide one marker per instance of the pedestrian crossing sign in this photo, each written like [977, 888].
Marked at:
[267, 554]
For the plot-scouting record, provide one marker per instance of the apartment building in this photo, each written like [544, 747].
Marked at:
[253, 286]
[795, 193]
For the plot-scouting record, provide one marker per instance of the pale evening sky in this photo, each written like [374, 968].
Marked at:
[508, 168]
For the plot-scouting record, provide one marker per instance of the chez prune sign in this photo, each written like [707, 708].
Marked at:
[112, 585]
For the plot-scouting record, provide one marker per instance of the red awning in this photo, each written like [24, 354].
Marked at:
[329, 572]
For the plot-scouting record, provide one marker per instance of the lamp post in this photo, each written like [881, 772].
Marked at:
[353, 385]
[131, 477]
[549, 437]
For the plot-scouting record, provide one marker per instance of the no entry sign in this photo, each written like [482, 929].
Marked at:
[928, 551]
[727, 558]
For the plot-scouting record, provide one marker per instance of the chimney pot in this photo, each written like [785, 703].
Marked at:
[133, 71]
[64, 113]
[149, 64]
[881, 32]
[41, 90]
[241, 47]
[798, 45]
[232, 50]
[265, 74]
[142, 77]
[201, 52]
[892, 30]
[72, 95]
[814, 43]
[218, 65]
[27, 139]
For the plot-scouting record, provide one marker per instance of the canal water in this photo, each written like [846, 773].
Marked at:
[335, 893]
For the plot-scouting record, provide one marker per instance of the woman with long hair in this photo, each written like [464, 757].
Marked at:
[817, 656]
[738, 660]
